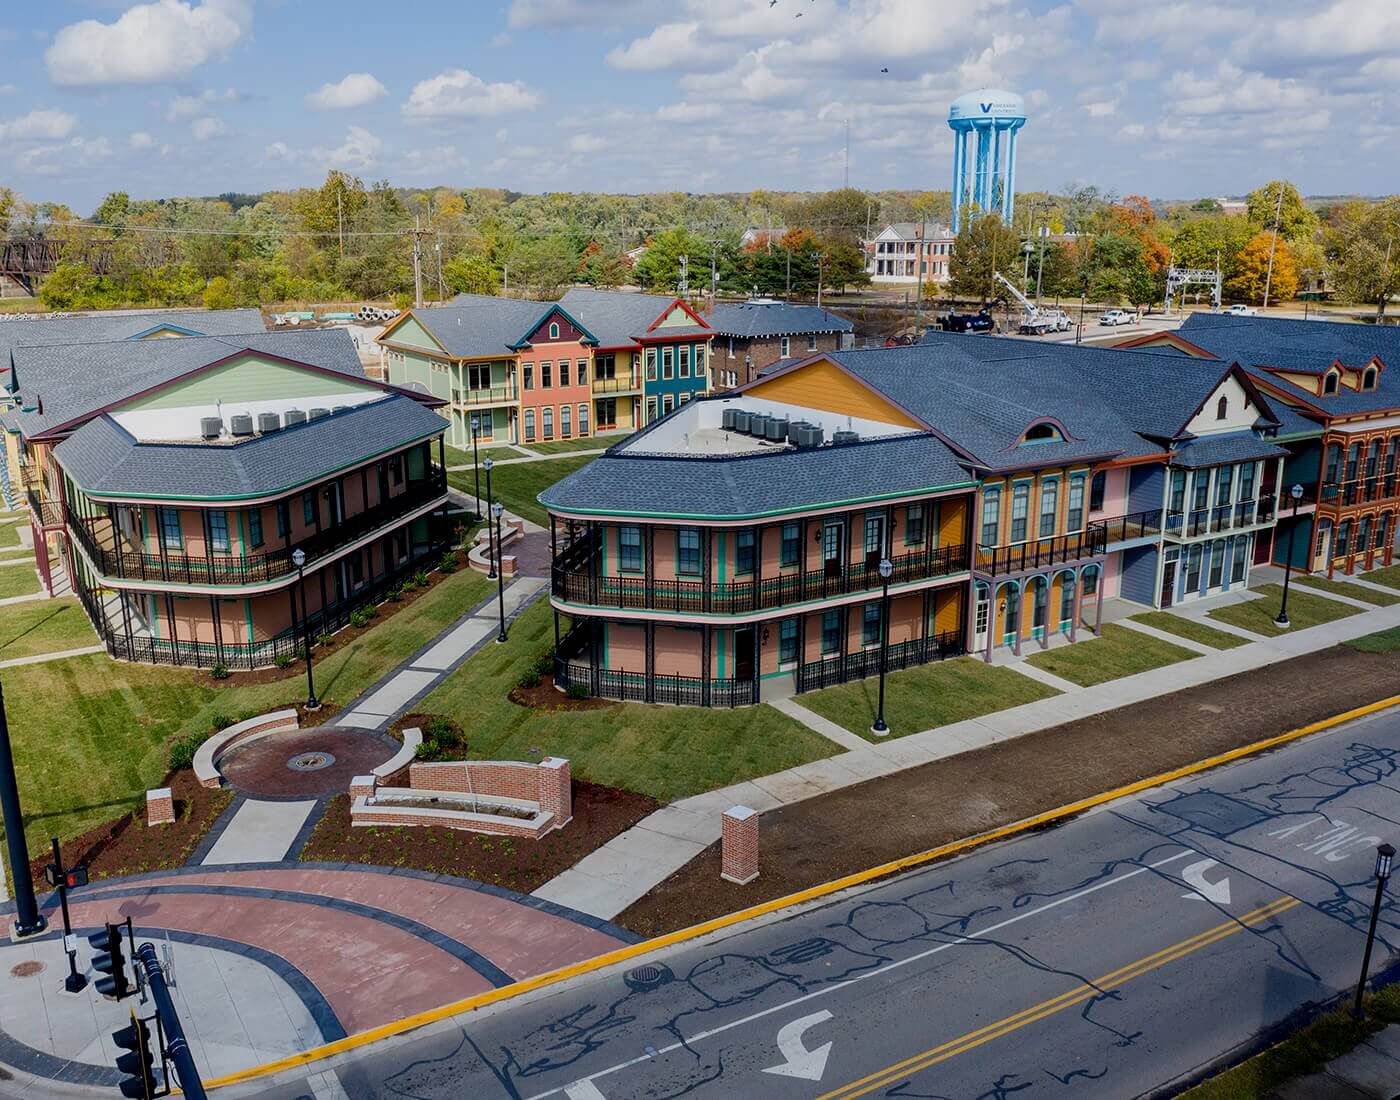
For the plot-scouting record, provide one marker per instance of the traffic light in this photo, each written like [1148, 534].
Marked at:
[139, 1063]
[110, 961]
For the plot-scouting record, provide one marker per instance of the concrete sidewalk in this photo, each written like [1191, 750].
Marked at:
[1369, 1071]
[608, 880]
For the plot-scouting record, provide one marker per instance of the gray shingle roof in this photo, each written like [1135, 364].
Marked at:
[72, 380]
[106, 461]
[756, 485]
[478, 326]
[1215, 450]
[619, 319]
[94, 328]
[750, 319]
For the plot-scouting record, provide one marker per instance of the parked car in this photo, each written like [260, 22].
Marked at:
[1239, 309]
[981, 321]
[1117, 317]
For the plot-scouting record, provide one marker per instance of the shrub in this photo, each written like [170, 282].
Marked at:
[283, 660]
[219, 671]
[325, 639]
[361, 616]
[394, 593]
[577, 691]
[531, 679]
[420, 578]
[448, 564]
[182, 752]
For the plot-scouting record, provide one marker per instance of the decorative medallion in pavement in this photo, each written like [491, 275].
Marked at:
[305, 763]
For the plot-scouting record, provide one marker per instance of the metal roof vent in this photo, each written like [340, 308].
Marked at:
[211, 427]
[269, 422]
[318, 412]
[242, 424]
[777, 429]
[294, 416]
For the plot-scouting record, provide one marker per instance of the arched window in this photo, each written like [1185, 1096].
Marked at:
[1368, 379]
[1329, 383]
[1222, 407]
[1042, 433]
[554, 330]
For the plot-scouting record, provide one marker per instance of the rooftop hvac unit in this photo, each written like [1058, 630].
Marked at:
[742, 418]
[758, 424]
[242, 424]
[777, 429]
[269, 422]
[338, 409]
[795, 426]
[295, 416]
[317, 413]
[845, 436]
[810, 435]
[728, 419]
[211, 427]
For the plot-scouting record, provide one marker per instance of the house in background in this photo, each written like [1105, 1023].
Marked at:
[896, 253]
[752, 335]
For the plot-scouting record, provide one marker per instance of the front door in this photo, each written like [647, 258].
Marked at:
[1168, 584]
[833, 549]
[744, 654]
[980, 620]
[1322, 548]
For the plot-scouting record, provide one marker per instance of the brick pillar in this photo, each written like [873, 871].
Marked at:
[363, 785]
[739, 845]
[160, 807]
[556, 789]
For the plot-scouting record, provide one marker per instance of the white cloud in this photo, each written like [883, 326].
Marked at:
[672, 46]
[359, 152]
[278, 150]
[1133, 130]
[1101, 108]
[689, 112]
[8, 89]
[573, 13]
[586, 143]
[354, 90]
[192, 106]
[40, 124]
[149, 43]
[207, 128]
[456, 93]
[48, 160]
[139, 139]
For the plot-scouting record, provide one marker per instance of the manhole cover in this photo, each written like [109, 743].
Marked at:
[648, 976]
[310, 761]
[26, 969]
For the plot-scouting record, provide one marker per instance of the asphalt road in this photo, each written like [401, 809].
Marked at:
[1113, 956]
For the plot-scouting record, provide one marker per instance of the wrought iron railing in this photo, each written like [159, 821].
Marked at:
[1360, 490]
[625, 686]
[1061, 549]
[620, 384]
[840, 668]
[1135, 525]
[487, 395]
[48, 512]
[1222, 517]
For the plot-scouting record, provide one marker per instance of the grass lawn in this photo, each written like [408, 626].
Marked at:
[9, 534]
[1389, 576]
[564, 446]
[43, 626]
[1304, 610]
[1189, 628]
[90, 734]
[665, 752]
[496, 451]
[18, 580]
[517, 485]
[1121, 651]
[1346, 588]
[1383, 641]
[921, 698]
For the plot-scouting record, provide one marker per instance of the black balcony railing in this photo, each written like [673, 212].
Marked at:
[48, 512]
[182, 568]
[1222, 517]
[576, 581]
[866, 662]
[1363, 490]
[1135, 525]
[686, 691]
[620, 384]
[487, 395]
[1089, 543]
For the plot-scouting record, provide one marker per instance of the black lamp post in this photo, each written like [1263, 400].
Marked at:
[1297, 494]
[1083, 297]
[476, 465]
[490, 537]
[496, 510]
[880, 729]
[1385, 853]
[28, 920]
[299, 560]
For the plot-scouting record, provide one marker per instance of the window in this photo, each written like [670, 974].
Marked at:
[564, 372]
[566, 414]
[1020, 510]
[1343, 540]
[284, 523]
[1224, 482]
[1382, 529]
[1217, 563]
[914, 525]
[651, 409]
[1222, 408]
[983, 610]
[396, 470]
[1042, 433]
[604, 367]
[811, 341]
[743, 551]
[1368, 379]
[479, 377]
[786, 347]
[1096, 491]
[1329, 383]
[527, 374]
[1178, 496]
[1091, 581]
[1049, 507]
[831, 632]
[255, 534]
[1066, 598]
[554, 330]
[991, 516]
[651, 364]
[581, 374]
[1074, 515]
[309, 514]
[870, 624]
[546, 375]
[667, 403]
[583, 420]
[547, 419]
[170, 533]
[1239, 559]
[1353, 457]
[684, 355]
[792, 545]
[529, 425]
[688, 552]
[1334, 461]
[667, 369]
[1193, 569]
[787, 641]
[1200, 490]
[607, 413]
[1040, 593]
[1363, 535]
[218, 532]
[874, 535]
[1247, 481]
[629, 549]
[731, 347]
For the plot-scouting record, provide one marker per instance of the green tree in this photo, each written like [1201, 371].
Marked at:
[841, 214]
[70, 286]
[1204, 242]
[606, 268]
[219, 294]
[1361, 246]
[659, 267]
[471, 275]
[843, 265]
[543, 266]
[1296, 221]
[983, 246]
[115, 209]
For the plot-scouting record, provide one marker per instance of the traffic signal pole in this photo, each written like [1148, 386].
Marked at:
[28, 920]
[176, 1048]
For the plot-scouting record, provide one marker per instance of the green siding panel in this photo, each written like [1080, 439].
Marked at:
[233, 382]
[415, 335]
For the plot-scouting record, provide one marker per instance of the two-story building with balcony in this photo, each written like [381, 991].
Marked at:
[753, 335]
[175, 483]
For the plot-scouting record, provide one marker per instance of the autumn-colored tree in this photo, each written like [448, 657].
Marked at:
[1134, 217]
[1252, 271]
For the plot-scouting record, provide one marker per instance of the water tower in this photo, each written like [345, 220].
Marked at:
[989, 113]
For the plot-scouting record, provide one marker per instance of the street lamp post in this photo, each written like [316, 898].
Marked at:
[1083, 297]
[880, 729]
[476, 465]
[490, 537]
[496, 510]
[28, 920]
[1385, 853]
[299, 560]
[1296, 492]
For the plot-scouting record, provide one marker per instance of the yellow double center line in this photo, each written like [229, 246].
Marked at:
[963, 1043]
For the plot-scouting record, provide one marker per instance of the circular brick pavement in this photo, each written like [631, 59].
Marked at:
[265, 767]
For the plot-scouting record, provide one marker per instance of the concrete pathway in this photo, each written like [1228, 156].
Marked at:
[1049, 679]
[608, 880]
[1328, 594]
[815, 722]
[422, 672]
[25, 599]
[1370, 1071]
[1168, 636]
[259, 832]
[40, 658]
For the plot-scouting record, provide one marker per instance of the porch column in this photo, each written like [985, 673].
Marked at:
[1077, 607]
[650, 689]
[1098, 604]
[218, 629]
[757, 565]
[991, 619]
[1020, 617]
[707, 567]
[649, 565]
[1045, 630]
[705, 665]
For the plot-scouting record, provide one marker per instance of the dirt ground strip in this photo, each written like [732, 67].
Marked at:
[823, 838]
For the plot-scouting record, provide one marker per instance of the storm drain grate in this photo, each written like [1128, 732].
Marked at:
[648, 976]
[310, 761]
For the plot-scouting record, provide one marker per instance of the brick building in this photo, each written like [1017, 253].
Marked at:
[758, 333]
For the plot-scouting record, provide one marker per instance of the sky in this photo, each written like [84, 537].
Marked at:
[1169, 98]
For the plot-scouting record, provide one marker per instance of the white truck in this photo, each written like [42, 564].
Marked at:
[1034, 320]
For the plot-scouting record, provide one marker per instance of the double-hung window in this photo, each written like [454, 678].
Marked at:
[527, 374]
[1096, 491]
[914, 525]
[1178, 497]
[546, 375]
[831, 631]
[255, 532]
[786, 346]
[651, 364]
[874, 535]
[667, 368]
[792, 545]
[547, 417]
[308, 507]
[566, 416]
[1200, 486]
[787, 641]
[1223, 484]
[170, 534]
[529, 425]
[1049, 507]
[218, 532]
[284, 523]
[1217, 563]
[583, 420]
[811, 341]
[1074, 515]
[629, 549]
[743, 551]
[688, 561]
[991, 516]
[564, 372]
[1193, 569]
[870, 623]
[1239, 559]
[1020, 510]
[1247, 481]
[683, 355]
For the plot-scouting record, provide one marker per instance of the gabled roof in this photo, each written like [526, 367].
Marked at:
[619, 319]
[95, 328]
[750, 319]
[1215, 450]
[477, 326]
[105, 460]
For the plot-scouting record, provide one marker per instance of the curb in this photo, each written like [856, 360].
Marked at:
[858, 878]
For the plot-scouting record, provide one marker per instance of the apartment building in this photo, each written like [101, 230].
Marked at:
[900, 250]
[753, 335]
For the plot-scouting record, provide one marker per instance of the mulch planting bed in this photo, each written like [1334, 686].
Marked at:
[600, 813]
[846, 831]
[128, 846]
[544, 696]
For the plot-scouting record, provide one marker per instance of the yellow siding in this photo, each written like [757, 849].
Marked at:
[952, 522]
[823, 385]
[947, 615]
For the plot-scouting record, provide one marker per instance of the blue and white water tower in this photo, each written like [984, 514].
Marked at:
[989, 114]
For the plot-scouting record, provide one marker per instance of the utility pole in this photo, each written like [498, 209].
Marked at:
[340, 219]
[714, 273]
[919, 270]
[437, 247]
[820, 258]
[788, 291]
[1273, 243]
[505, 280]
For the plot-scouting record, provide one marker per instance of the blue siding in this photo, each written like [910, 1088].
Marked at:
[1302, 540]
[1145, 484]
[1139, 577]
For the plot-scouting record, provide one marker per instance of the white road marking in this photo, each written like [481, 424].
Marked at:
[1217, 893]
[798, 1061]
[702, 1035]
[583, 1090]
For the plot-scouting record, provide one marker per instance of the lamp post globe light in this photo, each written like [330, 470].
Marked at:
[1296, 493]
[1385, 855]
[476, 465]
[880, 729]
[299, 560]
[496, 510]
[490, 538]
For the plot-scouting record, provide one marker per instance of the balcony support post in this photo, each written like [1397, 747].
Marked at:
[757, 567]
[992, 593]
[707, 568]
[649, 566]
[1098, 603]
[1074, 614]
[218, 629]
[650, 689]
[1020, 590]
[802, 528]
[705, 665]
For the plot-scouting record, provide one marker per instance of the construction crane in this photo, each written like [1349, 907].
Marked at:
[1034, 320]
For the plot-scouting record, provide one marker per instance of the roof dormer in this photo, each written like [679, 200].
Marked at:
[1044, 430]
